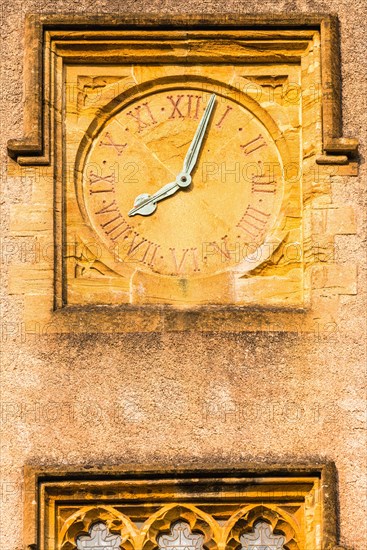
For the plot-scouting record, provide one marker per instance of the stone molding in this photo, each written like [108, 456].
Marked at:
[43, 31]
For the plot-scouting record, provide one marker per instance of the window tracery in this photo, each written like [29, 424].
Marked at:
[262, 538]
[180, 538]
[181, 527]
[99, 538]
[205, 511]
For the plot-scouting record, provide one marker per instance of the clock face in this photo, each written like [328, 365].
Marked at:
[211, 226]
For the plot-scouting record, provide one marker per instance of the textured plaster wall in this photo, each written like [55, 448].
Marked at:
[148, 399]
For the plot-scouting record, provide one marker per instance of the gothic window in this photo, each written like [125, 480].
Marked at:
[199, 510]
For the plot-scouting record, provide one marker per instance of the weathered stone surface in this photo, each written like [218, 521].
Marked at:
[254, 217]
[215, 393]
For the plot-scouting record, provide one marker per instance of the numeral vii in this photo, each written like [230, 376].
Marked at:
[147, 250]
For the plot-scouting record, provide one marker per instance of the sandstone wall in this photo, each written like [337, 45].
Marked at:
[143, 399]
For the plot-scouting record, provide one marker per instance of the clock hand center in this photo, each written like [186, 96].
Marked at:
[183, 179]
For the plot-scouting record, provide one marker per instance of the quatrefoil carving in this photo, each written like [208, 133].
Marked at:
[99, 538]
[180, 538]
[262, 539]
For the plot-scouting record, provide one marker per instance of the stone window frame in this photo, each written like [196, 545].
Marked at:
[197, 496]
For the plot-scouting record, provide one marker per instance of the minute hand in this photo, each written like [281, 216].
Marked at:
[195, 147]
[146, 204]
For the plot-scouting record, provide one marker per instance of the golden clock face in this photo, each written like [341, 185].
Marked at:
[211, 226]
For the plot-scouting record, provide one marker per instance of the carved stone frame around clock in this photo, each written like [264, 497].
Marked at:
[52, 42]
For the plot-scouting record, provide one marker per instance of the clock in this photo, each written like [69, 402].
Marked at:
[182, 183]
[183, 162]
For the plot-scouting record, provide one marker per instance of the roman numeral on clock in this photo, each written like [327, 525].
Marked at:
[253, 145]
[143, 116]
[263, 184]
[221, 120]
[150, 253]
[186, 260]
[135, 244]
[184, 105]
[112, 207]
[94, 179]
[142, 250]
[110, 143]
[253, 221]
[115, 222]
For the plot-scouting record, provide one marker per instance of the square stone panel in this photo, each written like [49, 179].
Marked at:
[240, 249]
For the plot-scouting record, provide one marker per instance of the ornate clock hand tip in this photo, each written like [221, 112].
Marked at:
[212, 99]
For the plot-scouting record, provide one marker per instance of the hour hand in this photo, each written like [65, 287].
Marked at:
[146, 204]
